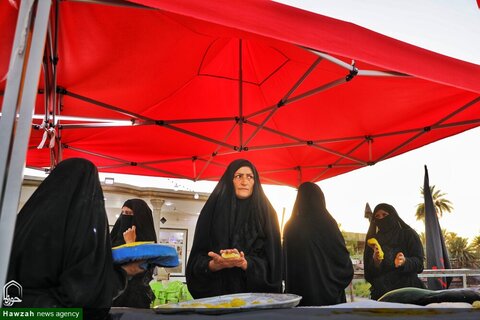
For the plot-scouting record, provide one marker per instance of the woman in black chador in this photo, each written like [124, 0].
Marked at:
[61, 253]
[135, 223]
[236, 247]
[317, 263]
[402, 257]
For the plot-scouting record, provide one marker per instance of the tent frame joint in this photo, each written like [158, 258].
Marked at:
[54, 60]
[61, 90]
[352, 74]
[240, 120]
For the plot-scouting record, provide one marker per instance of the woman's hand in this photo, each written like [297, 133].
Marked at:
[218, 262]
[399, 260]
[133, 268]
[130, 235]
[377, 259]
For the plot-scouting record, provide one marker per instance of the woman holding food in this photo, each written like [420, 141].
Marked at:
[236, 247]
[393, 253]
[135, 223]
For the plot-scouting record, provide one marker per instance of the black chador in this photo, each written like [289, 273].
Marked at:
[317, 263]
[394, 236]
[61, 252]
[138, 293]
[249, 225]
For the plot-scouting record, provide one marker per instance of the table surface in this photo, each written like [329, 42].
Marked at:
[361, 310]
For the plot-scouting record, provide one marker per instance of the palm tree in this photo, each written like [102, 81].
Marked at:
[460, 251]
[475, 245]
[449, 236]
[476, 242]
[440, 203]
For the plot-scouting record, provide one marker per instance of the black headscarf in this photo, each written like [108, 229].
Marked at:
[142, 219]
[61, 253]
[388, 231]
[318, 265]
[249, 225]
[394, 236]
[138, 293]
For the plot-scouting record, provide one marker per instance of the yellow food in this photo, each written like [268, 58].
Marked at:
[237, 302]
[132, 244]
[230, 255]
[374, 242]
[234, 303]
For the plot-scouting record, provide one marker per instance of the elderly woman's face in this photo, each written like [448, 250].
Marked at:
[243, 181]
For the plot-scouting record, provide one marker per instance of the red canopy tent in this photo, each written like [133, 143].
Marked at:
[181, 88]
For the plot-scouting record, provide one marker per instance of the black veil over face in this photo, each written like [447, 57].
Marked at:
[386, 230]
[142, 219]
[317, 263]
[61, 253]
[249, 225]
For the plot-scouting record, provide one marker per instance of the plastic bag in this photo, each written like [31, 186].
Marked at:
[173, 292]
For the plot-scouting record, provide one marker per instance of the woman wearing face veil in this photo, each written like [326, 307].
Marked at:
[317, 263]
[402, 253]
[135, 223]
[61, 253]
[236, 247]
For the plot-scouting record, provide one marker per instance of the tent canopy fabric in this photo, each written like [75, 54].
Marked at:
[181, 88]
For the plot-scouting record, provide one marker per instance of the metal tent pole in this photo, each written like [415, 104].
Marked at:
[20, 96]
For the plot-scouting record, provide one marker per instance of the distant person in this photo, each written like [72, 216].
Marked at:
[238, 222]
[317, 263]
[399, 260]
[135, 224]
[61, 252]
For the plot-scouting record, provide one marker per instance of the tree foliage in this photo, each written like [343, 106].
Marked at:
[475, 246]
[460, 251]
[440, 203]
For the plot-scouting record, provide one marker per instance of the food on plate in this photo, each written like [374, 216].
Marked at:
[233, 303]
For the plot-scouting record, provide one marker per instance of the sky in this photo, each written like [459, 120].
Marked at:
[449, 27]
